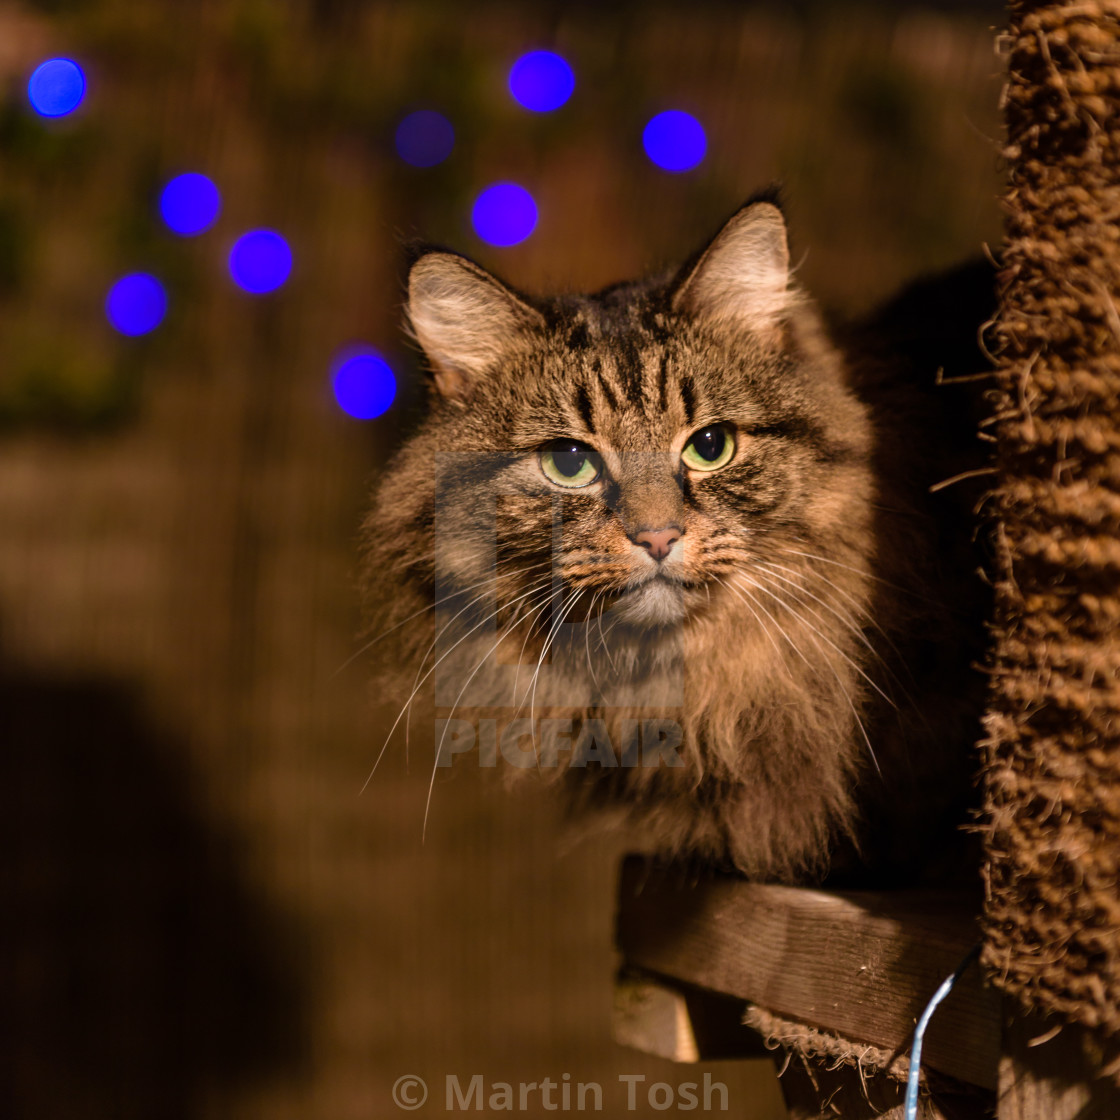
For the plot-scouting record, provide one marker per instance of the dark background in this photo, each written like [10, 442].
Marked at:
[203, 915]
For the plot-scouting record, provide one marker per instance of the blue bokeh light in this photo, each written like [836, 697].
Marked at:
[260, 261]
[56, 87]
[425, 138]
[541, 81]
[363, 382]
[504, 214]
[136, 304]
[189, 204]
[675, 140]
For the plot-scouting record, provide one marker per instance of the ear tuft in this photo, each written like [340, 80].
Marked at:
[467, 322]
[743, 275]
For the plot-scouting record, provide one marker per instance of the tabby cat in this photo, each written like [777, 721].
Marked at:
[681, 504]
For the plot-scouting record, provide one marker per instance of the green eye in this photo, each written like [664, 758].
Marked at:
[570, 463]
[709, 449]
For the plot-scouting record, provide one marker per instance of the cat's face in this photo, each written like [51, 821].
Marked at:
[647, 445]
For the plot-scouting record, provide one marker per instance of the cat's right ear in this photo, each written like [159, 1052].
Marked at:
[466, 321]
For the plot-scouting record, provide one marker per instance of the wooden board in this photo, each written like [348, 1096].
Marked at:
[654, 1019]
[1050, 1072]
[861, 964]
[681, 1022]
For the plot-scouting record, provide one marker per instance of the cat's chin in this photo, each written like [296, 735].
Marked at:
[657, 602]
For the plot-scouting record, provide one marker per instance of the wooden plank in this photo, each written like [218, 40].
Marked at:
[861, 964]
[681, 1022]
[1048, 1072]
[653, 1018]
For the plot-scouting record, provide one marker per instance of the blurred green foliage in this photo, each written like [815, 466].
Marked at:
[56, 385]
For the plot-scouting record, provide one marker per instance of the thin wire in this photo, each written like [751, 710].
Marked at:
[920, 1033]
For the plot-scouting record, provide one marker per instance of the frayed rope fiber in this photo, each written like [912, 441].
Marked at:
[818, 1045]
[1052, 747]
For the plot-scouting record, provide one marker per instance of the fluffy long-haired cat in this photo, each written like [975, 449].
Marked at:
[679, 543]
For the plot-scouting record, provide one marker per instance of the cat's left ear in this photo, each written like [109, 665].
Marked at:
[743, 276]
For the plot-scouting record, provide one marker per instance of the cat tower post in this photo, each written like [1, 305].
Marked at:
[1052, 751]
[837, 981]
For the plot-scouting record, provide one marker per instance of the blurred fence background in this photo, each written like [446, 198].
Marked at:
[205, 918]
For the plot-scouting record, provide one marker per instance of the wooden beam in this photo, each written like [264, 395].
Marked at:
[681, 1022]
[654, 1019]
[860, 964]
[1050, 1072]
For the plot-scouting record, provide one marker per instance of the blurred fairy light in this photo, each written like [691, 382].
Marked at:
[504, 214]
[425, 138]
[541, 81]
[675, 140]
[189, 204]
[363, 383]
[136, 304]
[260, 261]
[56, 87]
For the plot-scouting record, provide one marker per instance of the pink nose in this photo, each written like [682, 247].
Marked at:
[658, 542]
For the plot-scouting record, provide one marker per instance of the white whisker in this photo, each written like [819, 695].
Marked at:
[848, 567]
[738, 593]
[367, 646]
[846, 620]
[475, 601]
[762, 587]
[553, 632]
[587, 642]
[502, 635]
[603, 638]
[832, 669]
[849, 622]
[419, 684]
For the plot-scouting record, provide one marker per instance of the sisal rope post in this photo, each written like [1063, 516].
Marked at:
[1052, 746]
